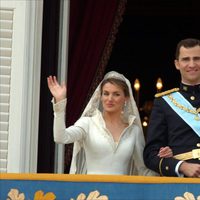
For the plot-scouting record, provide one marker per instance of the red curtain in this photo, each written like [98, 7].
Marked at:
[92, 29]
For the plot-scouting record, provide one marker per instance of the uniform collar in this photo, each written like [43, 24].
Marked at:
[190, 88]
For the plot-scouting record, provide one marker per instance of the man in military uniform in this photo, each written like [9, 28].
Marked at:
[175, 118]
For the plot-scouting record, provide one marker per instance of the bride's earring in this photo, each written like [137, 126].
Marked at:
[124, 107]
[125, 104]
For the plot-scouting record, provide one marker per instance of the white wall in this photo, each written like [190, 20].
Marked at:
[20, 136]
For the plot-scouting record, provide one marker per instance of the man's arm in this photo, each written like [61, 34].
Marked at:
[157, 137]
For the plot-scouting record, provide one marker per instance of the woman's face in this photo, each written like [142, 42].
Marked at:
[113, 98]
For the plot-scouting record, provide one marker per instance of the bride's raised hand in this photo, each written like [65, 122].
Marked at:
[58, 91]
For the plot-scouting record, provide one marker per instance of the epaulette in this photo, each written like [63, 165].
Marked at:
[166, 92]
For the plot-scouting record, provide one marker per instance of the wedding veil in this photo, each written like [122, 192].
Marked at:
[95, 102]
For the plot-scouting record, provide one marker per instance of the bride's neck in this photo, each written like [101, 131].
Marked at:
[112, 117]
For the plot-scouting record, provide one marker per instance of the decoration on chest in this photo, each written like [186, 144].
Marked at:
[186, 107]
[185, 110]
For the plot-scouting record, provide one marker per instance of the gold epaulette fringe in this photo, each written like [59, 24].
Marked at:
[166, 92]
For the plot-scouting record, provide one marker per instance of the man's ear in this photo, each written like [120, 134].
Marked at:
[176, 63]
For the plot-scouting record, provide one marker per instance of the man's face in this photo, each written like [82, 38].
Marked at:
[189, 65]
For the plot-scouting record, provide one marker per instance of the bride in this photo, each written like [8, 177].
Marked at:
[108, 137]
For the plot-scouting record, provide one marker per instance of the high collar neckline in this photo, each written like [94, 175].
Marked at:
[190, 88]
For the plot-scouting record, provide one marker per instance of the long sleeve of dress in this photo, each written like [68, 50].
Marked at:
[139, 165]
[61, 133]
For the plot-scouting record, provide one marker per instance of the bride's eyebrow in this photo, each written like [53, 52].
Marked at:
[115, 92]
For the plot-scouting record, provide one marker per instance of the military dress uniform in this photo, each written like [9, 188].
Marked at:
[174, 122]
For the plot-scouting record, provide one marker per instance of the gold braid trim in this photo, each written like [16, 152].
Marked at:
[193, 111]
[160, 164]
[167, 92]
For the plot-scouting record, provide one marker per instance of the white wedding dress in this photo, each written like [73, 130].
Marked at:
[95, 151]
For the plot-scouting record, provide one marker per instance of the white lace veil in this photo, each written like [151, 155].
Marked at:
[130, 110]
[95, 102]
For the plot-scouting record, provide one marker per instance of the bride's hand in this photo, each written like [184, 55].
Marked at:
[165, 152]
[58, 91]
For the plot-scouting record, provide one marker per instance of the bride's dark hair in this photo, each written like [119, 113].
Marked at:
[117, 82]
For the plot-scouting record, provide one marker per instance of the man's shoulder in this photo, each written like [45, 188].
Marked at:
[167, 92]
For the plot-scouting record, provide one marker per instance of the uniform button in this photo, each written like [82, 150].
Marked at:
[192, 98]
[198, 144]
[167, 168]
